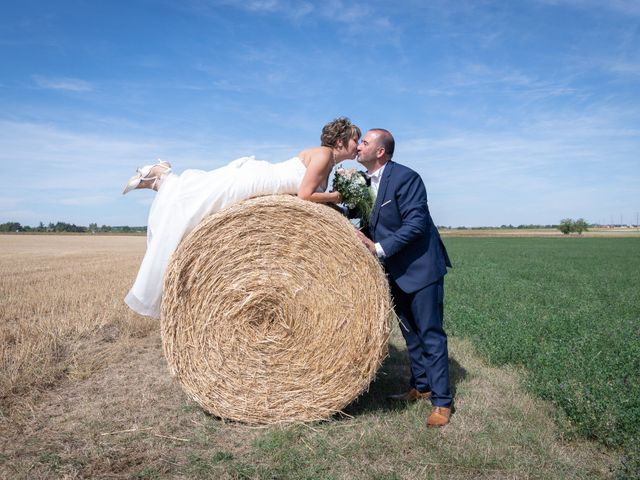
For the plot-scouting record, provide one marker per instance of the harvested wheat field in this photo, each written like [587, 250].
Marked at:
[85, 393]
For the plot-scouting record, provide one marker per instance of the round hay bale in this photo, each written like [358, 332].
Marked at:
[273, 311]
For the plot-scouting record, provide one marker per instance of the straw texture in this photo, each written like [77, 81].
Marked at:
[274, 312]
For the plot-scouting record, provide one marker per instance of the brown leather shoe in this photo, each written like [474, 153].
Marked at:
[439, 417]
[410, 396]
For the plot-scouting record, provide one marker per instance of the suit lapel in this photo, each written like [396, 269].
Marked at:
[382, 188]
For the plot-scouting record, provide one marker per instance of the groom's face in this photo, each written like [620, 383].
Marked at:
[368, 150]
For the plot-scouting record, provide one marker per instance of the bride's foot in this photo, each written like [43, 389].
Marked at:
[149, 176]
[153, 179]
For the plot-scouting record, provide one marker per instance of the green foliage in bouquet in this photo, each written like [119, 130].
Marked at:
[356, 194]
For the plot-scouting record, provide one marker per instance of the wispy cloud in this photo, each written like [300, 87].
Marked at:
[290, 9]
[63, 83]
[79, 161]
[625, 7]
[350, 17]
[537, 171]
[622, 67]
[56, 174]
[490, 101]
[478, 79]
[279, 70]
[9, 202]
[90, 200]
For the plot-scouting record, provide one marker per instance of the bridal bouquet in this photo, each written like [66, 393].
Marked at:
[356, 194]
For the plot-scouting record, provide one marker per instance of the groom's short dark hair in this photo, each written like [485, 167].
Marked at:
[385, 140]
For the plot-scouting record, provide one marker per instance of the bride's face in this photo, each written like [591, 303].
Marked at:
[352, 148]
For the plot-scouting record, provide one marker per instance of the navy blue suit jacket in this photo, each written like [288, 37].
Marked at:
[402, 224]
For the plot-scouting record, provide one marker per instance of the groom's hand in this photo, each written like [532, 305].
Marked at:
[367, 242]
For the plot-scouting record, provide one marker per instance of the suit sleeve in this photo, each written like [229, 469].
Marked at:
[411, 198]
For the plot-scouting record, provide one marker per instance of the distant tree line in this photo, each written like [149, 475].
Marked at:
[68, 227]
[568, 225]
[503, 227]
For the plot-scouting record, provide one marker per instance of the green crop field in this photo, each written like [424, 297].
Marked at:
[568, 311]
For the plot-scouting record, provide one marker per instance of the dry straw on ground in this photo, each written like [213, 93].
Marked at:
[274, 312]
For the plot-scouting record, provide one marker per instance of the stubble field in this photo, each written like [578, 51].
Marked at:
[85, 392]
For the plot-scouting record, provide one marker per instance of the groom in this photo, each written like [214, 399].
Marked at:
[402, 235]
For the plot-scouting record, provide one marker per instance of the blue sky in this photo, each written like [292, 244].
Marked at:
[512, 112]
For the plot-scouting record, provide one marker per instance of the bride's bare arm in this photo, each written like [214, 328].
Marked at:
[318, 169]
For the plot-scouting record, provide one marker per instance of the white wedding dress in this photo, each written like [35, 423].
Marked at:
[184, 200]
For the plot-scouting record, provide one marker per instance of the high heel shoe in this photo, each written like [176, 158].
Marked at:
[142, 173]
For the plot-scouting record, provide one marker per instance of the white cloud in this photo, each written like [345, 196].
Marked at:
[624, 7]
[9, 202]
[91, 200]
[547, 169]
[261, 5]
[45, 157]
[476, 80]
[291, 9]
[294, 10]
[352, 17]
[62, 83]
[622, 67]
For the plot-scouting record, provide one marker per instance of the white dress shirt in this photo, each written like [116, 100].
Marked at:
[375, 179]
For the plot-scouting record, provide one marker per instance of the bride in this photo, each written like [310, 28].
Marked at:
[184, 200]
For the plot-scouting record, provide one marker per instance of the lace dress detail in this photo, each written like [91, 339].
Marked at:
[184, 200]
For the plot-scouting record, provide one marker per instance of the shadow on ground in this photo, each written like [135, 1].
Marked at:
[393, 377]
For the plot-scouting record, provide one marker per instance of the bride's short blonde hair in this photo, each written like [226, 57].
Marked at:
[339, 129]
